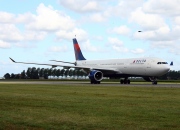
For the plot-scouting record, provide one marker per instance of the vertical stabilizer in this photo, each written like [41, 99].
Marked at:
[77, 51]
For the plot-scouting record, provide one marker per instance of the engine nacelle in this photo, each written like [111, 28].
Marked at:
[96, 75]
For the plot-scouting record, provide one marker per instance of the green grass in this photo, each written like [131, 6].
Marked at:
[88, 107]
[87, 80]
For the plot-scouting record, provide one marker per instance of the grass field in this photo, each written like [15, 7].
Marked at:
[88, 107]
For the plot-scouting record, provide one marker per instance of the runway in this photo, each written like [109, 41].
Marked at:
[81, 83]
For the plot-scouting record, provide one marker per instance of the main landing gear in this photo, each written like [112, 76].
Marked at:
[125, 81]
[154, 82]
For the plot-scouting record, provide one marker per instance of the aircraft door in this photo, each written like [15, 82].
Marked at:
[148, 67]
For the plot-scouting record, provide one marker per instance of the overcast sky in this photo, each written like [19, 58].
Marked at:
[40, 31]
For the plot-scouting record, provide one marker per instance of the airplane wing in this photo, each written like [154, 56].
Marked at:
[74, 63]
[68, 66]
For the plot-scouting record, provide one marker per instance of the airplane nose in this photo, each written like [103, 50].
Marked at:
[163, 70]
[166, 69]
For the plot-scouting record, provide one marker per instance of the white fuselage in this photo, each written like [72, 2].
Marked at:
[133, 66]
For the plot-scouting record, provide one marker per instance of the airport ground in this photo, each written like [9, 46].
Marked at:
[80, 105]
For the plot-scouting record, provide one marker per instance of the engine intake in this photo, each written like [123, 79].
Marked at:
[96, 75]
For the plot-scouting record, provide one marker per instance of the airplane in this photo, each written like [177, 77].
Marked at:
[147, 68]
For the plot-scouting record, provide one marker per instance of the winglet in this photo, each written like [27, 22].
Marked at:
[171, 64]
[12, 59]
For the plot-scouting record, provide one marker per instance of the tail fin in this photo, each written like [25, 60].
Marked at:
[77, 50]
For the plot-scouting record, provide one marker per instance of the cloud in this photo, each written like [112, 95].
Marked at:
[177, 20]
[121, 30]
[124, 8]
[79, 33]
[115, 41]
[35, 27]
[87, 46]
[24, 45]
[4, 45]
[97, 17]
[175, 48]
[138, 51]
[162, 44]
[6, 17]
[147, 21]
[117, 45]
[63, 48]
[120, 49]
[163, 7]
[25, 18]
[10, 33]
[81, 6]
[34, 35]
[48, 19]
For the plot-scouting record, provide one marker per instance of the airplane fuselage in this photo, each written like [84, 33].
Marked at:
[135, 66]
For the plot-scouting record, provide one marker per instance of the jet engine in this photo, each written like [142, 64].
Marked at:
[95, 76]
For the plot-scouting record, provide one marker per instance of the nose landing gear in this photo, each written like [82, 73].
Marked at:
[125, 81]
[154, 82]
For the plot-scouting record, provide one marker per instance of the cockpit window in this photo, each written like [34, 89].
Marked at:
[162, 63]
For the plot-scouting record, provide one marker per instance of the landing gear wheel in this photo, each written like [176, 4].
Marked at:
[125, 81]
[122, 81]
[154, 82]
[95, 82]
[128, 81]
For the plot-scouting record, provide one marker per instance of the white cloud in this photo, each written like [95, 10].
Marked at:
[164, 7]
[81, 6]
[48, 19]
[120, 49]
[6, 17]
[37, 26]
[115, 41]
[80, 34]
[162, 44]
[63, 48]
[34, 35]
[121, 30]
[87, 46]
[25, 18]
[137, 51]
[175, 49]
[97, 17]
[24, 45]
[177, 20]
[147, 21]
[117, 45]
[4, 45]
[9, 32]
[124, 8]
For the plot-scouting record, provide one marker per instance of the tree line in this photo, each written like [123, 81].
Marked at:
[171, 75]
[46, 73]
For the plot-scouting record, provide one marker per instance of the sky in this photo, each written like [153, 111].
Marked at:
[40, 31]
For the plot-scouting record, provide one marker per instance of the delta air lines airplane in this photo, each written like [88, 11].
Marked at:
[148, 68]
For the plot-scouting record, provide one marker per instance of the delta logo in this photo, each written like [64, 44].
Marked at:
[139, 61]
